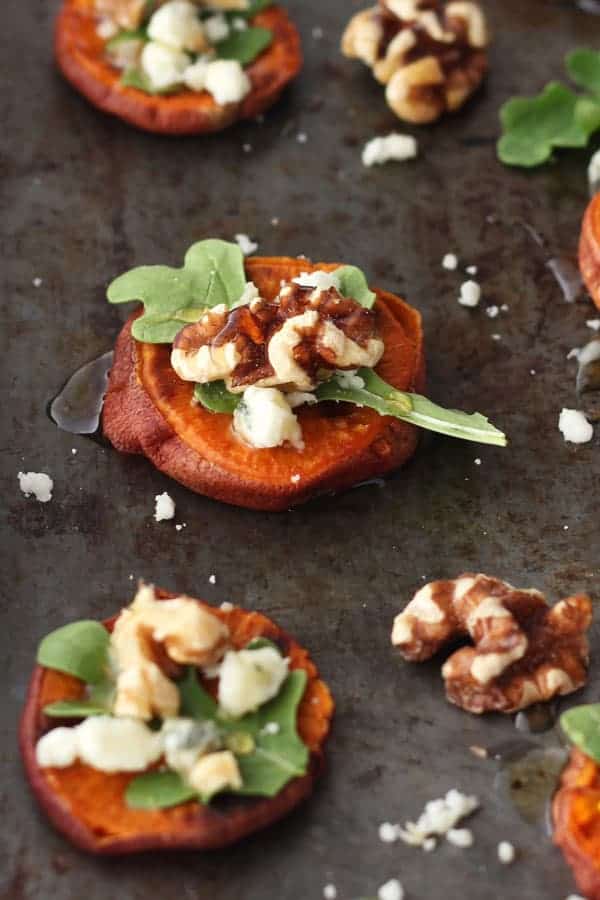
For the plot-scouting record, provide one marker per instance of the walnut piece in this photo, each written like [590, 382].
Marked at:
[292, 342]
[152, 638]
[524, 651]
[430, 54]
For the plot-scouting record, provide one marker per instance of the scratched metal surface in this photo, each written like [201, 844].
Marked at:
[84, 197]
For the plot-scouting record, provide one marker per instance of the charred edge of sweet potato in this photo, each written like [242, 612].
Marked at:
[190, 826]
[80, 56]
[589, 249]
[133, 424]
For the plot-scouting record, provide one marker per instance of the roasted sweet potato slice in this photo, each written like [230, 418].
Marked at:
[88, 806]
[589, 249]
[80, 56]
[576, 814]
[148, 410]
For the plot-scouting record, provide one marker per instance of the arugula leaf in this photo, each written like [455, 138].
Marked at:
[158, 790]
[353, 284]
[74, 709]
[79, 649]
[196, 703]
[584, 68]
[212, 273]
[215, 397]
[135, 77]
[244, 46]
[413, 408]
[534, 126]
[138, 34]
[582, 726]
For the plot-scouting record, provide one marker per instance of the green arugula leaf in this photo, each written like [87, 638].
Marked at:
[260, 642]
[534, 126]
[413, 408]
[215, 397]
[196, 703]
[134, 77]
[244, 46]
[138, 34]
[582, 726]
[74, 709]
[212, 273]
[158, 790]
[353, 284]
[584, 68]
[79, 649]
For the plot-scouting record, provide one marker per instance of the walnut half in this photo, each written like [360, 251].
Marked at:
[524, 651]
[430, 54]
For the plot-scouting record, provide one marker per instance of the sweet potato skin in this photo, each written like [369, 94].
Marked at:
[147, 410]
[80, 57]
[88, 807]
[576, 816]
[589, 249]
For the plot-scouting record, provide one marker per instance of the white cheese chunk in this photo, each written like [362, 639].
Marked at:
[214, 773]
[164, 66]
[249, 678]
[164, 507]
[575, 427]
[246, 244]
[450, 262]
[470, 294]
[460, 837]
[330, 892]
[227, 81]
[106, 29]
[177, 25]
[264, 419]
[350, 380]
[438, 817]
[106, 743]
[37, 483]
[194, 76]
[506, 853]
[397, 147]
[57, 748]
[216, 28]
[594, 324]
[299, 398]
[318, 279]
[391, 890]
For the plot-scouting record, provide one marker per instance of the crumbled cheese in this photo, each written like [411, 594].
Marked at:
[74, 451]
[106, 743]
[496, 337]
[471, 270]
[330, 892]
[506, 852]
[216, 28]
[226, 606]
[302, 137]
[590, 353]
[265, 419]
[429, 844]
[492, 311]
[212, 579]
[575, 427]
[246, 245]
[450, 262]
[438, 817]
[178, 527]
[594, 171]
[274, 221]
[37, 483]
[594, 324]
[299, 398]
[248, 678]
[389, 833]
[164, 66]
[477, 461]
[194, 76]
[176, 25]
[247, 148]
[37, 282]
[106, 29]
[249, 294]
[164, 507]
[460, 837]
[227, 81]
[391, 890]
[317, 32]
[470, 293]
[350, 381]
[397, 147]
[318, 279]
[239, 24]
[575, 897]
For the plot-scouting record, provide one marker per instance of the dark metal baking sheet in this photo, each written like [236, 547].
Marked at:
[84, 197]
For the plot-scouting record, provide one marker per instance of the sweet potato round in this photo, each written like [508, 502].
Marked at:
[148, 410]
[589, 249]
[88, 806]
[576, 815]
[80, 56]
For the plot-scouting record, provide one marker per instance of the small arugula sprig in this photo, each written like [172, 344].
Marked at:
[581, 724]
[558, 117]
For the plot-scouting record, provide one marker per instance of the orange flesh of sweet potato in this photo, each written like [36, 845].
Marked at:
[89, 806]
[589, 249]
[576, 815]
[81, 57]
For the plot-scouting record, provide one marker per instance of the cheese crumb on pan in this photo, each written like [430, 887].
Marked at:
[575, 427]
[396, 147]
[246, 244]
[164, 507]
[37, 483]
[506, 853]
[391, 890]
[450, 262]
[470, 294]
